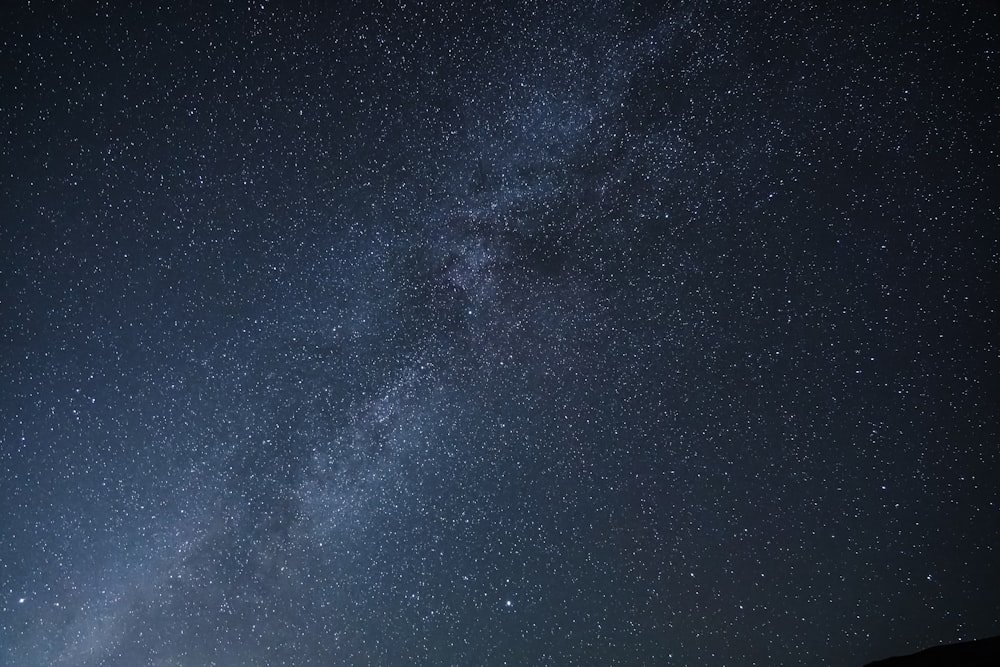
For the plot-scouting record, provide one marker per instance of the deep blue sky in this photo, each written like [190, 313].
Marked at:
[546, 333]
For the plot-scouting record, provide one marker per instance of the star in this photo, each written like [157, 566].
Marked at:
[603, 305]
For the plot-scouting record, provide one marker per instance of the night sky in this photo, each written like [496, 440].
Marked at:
[461, 334]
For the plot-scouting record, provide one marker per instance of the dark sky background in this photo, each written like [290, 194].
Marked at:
[540, 333]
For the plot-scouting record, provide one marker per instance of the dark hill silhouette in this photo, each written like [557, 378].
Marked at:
[980, 653]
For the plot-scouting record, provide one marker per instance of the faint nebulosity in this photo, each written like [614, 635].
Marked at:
[536, 333]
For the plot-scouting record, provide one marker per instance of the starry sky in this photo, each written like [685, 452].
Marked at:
[526, 333]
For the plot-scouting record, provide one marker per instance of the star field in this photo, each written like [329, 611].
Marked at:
[438, 333]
